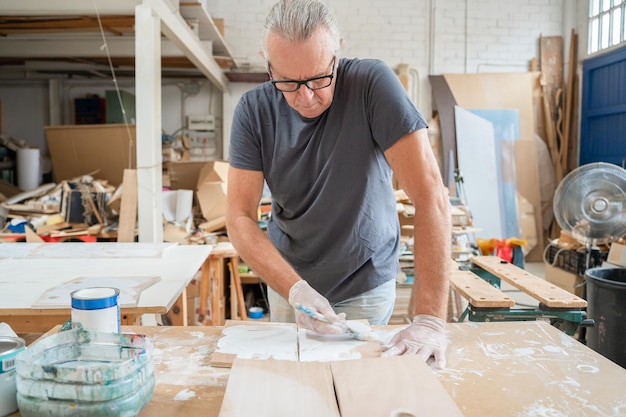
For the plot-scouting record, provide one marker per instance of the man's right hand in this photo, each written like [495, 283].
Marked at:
[302, 293]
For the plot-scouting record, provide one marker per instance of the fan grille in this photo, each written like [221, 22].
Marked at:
[590, 203]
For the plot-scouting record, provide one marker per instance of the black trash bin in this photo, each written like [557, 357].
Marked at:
[606, 305]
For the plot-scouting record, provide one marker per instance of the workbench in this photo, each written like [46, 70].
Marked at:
[27, 270]
[479, 284]
[493, 369]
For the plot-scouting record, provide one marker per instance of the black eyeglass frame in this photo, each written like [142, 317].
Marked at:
[306, 82]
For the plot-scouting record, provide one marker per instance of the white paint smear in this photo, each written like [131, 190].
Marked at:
[184, 395]
[316, 348]
[259, 342]
[185, 361]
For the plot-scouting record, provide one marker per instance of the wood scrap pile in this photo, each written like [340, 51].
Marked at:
[54, 212]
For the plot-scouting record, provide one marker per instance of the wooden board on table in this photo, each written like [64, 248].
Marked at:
[547, 293]
[393, 386]
[477, 291]
[273, 388]
[103, 250]
[284, 341]
[130, 290]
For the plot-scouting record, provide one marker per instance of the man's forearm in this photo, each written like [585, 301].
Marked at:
[253, 245]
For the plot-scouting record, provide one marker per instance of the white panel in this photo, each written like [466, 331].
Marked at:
[476, 150]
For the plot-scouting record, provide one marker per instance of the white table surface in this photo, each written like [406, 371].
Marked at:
[27, 270]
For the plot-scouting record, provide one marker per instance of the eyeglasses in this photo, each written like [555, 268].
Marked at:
[315, 83]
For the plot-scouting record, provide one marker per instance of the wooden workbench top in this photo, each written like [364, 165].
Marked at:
[494, 369]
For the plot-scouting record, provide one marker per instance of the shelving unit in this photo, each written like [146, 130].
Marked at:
[145, 35]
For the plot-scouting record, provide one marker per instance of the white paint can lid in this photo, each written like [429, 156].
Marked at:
[94, 298]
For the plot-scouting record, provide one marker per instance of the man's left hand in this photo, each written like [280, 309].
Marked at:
[425, 337]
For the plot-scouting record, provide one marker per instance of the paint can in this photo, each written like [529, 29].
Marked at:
[96, 309]
[10, 347]
[255, 313]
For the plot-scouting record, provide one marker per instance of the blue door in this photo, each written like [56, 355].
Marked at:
[603, 112]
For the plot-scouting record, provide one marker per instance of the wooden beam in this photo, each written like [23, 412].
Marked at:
[177, 30]
[148, 104]
[547, 293]
[477, 291]
[67, 7]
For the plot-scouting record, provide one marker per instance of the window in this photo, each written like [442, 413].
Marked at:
[607, 25]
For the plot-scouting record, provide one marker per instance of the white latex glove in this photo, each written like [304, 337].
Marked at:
[302, 293]
[425, 337]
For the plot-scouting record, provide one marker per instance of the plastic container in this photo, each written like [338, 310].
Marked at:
[255, 313]
[80, 372]
[96, 309]
[10, 347]
[606, 305]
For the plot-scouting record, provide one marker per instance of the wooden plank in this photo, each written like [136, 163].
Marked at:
[570, 100]
[444, 104]
[390, 387]
[548, 294]
[279, 388]
[477, 291]
[128, 208]
[177, 316]
[31, 236]
[235, 287]
[284, 341]
[551, 51]
[35, 323]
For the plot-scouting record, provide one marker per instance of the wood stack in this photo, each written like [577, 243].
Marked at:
[559, 104]
[559, 101]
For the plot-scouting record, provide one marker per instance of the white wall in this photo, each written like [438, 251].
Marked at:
[432, 36]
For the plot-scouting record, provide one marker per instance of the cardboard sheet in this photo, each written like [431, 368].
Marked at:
[77, 150]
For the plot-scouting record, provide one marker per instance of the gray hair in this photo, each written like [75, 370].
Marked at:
[296, 20]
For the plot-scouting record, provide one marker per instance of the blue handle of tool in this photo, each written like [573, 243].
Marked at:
[311, 313]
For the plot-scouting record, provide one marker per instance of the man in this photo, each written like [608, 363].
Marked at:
[325, 134]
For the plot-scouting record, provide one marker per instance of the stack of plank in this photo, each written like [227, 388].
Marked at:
[559, 103]
[559, 100]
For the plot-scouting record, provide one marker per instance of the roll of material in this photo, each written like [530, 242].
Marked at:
[28, 168]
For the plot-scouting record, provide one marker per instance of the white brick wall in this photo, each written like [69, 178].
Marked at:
[469, 35]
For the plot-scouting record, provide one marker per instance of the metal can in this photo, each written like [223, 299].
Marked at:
[97, 309]
[10, 347]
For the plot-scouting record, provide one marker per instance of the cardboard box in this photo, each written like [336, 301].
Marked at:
[81, 203]
[184, 175]
[617, 254]
[566, 280]
[213, 171]
[77, 150]
[211, 189]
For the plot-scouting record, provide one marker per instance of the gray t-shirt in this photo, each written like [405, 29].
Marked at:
[334, 214]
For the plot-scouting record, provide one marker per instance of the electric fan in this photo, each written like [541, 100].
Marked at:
[590, 203]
